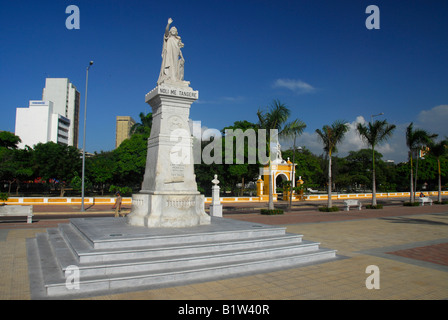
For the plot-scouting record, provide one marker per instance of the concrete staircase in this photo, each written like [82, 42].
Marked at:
[112, 256]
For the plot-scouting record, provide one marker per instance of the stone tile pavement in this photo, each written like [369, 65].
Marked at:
[408, 245]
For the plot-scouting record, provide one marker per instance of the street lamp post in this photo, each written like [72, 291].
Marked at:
[293, 178]
[375, 115]
[84, 140]
[292, 172]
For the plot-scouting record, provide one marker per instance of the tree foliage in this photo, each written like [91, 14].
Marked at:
[415, 140]
[374, 134]
[331, 136]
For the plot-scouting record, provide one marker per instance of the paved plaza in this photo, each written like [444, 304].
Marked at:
[409, 246]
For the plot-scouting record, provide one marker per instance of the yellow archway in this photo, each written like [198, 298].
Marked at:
[279, 168]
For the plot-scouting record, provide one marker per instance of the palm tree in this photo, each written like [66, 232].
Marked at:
[374, 134]
[415, 139]
[331, 136]
[438, 150]
[276, 118]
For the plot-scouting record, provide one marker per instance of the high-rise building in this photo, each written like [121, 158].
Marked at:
[66, 100]
[123, 129]
[54, 118]
[39, 123]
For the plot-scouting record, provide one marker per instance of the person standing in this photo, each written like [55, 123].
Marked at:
[117, 205]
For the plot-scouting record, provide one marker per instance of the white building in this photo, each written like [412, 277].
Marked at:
[39, 123]
[54, 118]
[66, 101]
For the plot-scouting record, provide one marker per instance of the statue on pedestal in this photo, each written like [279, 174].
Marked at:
[169, 196]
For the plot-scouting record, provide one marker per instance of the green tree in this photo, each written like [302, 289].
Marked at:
[438, 150]
[331, 136]
[9, 140]
[204, 175]
[240, 172]
[374, 134]
[234, 171]
[56, 162]
[356, 168]
[308, 166]
[130, 159]
[415, 139]
[276, 117]
[101, 168]
[15, 166]
[144, 126]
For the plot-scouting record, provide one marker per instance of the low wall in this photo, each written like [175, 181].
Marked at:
[65, 200]
[263, 198]
[369, 195]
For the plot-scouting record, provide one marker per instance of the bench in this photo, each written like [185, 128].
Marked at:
[424, 200]
[17, 211]
[349, 203]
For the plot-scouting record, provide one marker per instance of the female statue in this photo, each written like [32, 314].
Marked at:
[172, 69]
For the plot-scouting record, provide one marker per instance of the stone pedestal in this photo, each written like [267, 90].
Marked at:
[169, 196]
[215, 206]
[175, 210]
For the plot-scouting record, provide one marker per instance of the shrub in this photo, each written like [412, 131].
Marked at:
[329, 209]
[123, 190]
[378, 206]
[411, 204]
[3, 197]
[271, 212]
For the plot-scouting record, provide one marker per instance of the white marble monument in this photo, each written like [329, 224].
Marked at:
[169, 195]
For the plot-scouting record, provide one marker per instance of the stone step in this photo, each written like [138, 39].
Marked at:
[186, 261]
[52, 272]
[86, 254]
[153, 262]
[65, 258]
[186, 274]
[121, 235]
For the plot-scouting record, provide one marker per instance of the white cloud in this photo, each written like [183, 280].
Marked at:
[221, 100]
[297, 86]
[352, 141]
[233, 99]
[434, 120]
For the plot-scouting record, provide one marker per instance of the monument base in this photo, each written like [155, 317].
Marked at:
[168, 210]
[91, 257]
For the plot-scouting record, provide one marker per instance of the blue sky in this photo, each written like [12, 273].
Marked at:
[315, 56]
